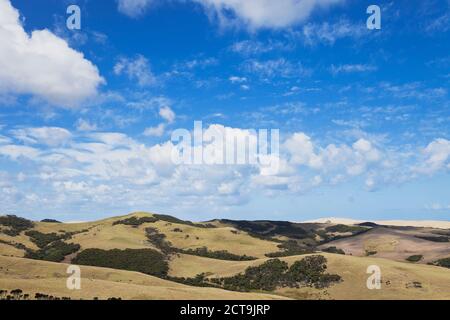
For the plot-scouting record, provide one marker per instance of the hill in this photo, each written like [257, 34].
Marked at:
[152, 256]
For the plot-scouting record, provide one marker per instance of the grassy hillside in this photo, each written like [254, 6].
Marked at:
[50, 278]
[398, 278]
[185, 249]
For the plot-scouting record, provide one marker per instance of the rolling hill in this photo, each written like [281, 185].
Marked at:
[152, 256]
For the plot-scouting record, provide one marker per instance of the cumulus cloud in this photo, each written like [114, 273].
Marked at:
[157, 131]
[253, 14]
[437, 157]
[256, 14]
[167, 114]
[42, 64]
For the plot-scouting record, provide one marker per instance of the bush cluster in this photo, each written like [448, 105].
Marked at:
[220, 255]
[16, 225]
[147, 261]
[442, 263]
[274, 273]
[334, 250]
[55, 251]
[290, 248]
[415, 258]
[135, 222]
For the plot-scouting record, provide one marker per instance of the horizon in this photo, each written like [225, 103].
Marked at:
[96, 96]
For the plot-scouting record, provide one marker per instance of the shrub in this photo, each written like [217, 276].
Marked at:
[159, 240]
[434, 238]
[135, 222]
[443, 263]
[50, 221]
[167, 218]
[43, 239]
[16, 224]
[342, 228]
[415, 258]
[147, 261]
[220, 255]
[56, 251]
[274, 273]
[290, 248]
[334, 250]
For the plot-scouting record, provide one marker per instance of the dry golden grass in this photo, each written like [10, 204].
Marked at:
[11, 251]
[397, 277]
[216, 239]
[50, 278]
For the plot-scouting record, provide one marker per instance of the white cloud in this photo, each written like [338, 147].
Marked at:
[136, 69]
[352, 68]
[167, 114]
[51, 136]
[437, 156]
[85, 125]
[157, 131]
[275, 68]
[16, 151]
[313, 33]
[256, 14]
[134, 8]
[235, 79]
[42, 64]
[253, 47]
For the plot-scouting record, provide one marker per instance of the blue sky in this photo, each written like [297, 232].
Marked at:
[86, 115]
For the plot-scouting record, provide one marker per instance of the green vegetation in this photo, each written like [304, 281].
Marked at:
[442, 263]
[274, 273]
[415, 258]
[159, 240]
[16, 225]
[135, 222]
[56, 251]
[434, 238]
[51, 221]
[371, 253]
[220, 255]
[170, 219]
[199, 280]
[267, 230]
[342, 228]
[334, 250]
[147, 261]
[43, 239]
[14, 244]
[290, 248]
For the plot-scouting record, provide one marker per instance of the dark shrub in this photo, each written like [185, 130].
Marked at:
[334, 250]
[135, 222]
[147, 261]
[56, 251]
[16, 224]
[415, 258]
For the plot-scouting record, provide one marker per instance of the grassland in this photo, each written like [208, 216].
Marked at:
[50, 278]
[390, 246]
[398, 278]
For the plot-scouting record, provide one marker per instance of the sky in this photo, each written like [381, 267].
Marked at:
[87, 115]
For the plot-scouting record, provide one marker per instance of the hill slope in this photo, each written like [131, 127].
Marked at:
[33, 277]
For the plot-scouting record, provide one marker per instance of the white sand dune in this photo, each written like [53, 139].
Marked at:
[409, 223]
